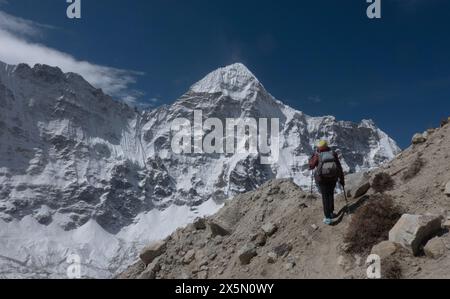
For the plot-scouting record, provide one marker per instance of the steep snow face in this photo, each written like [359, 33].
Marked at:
[74, 162]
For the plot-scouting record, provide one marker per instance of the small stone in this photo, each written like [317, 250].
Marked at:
[435, 248]
[283, 249]
[213, 256]
[247, 253]
[385, 249]
[272, 257]
[203, 263]
[261, 239]
[151, 271]
[303, 206]
[189, 257]
[289, 266]
[270, 229]
[314, 227]
[446, 225]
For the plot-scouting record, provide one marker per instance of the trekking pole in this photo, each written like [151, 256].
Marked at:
[312, 181]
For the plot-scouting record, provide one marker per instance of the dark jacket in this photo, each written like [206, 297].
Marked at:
[314, 163]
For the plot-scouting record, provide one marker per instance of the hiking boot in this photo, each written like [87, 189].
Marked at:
[327, 221]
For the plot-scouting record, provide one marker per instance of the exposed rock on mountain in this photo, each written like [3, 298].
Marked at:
[73, 160]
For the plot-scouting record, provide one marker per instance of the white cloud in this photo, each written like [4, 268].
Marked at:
[20, 26]
[18, 45]
[315, 99]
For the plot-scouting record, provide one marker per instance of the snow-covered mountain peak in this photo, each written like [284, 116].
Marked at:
[74, 163]
[235, 80]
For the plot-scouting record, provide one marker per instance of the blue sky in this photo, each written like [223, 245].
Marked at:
[321, 57]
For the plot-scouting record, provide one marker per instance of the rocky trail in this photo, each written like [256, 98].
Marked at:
[277, 231]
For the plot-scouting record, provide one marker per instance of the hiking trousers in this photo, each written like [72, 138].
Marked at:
[327, 190]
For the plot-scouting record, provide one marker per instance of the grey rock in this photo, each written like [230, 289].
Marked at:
[289, 266]
[218, 240]
[247, 253]
[419, 139]
[260, 239]
[272, 257]
[435, 248]
[189, 257]
[447, 189]
[269, 229]
[151, 271]
[411, 231]
[283, 249]
[385, 249]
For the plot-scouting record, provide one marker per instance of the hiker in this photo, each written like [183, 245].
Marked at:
[328, 173]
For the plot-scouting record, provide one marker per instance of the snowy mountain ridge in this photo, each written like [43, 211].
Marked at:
[75, 165]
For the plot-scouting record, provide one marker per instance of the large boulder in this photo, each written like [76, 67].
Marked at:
[419, 138]
[247, 253]
[357, 184]
[412, 231]
[435, 248]
[189, 257]
[152, 251]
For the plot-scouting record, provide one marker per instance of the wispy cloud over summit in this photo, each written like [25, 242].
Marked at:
[19, 40]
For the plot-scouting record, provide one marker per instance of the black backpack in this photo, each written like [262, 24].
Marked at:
[328, 168]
